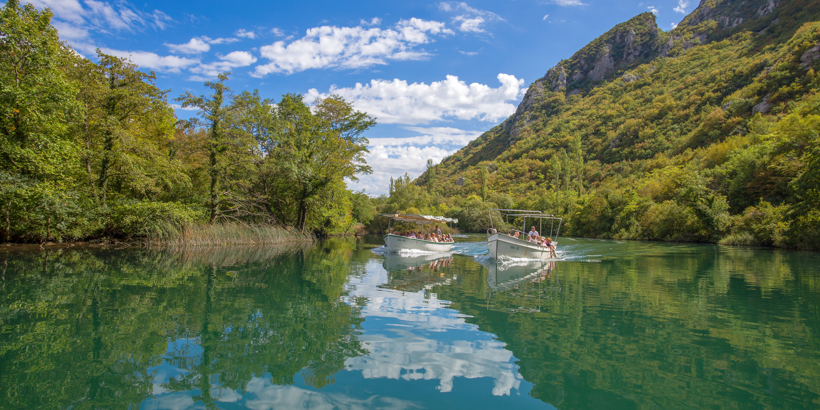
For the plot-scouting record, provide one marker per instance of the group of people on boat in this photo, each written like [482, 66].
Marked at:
[435, 236]
[534, 237]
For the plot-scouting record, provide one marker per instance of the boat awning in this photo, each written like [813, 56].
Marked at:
[420, 219]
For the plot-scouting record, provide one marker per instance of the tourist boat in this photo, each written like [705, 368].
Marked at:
[506, 244]
[396, 243]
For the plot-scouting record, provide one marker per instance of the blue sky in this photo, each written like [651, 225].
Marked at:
[435, 74]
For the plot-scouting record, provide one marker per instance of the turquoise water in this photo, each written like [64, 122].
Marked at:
[342, 324]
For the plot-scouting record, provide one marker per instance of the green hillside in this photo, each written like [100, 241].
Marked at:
[705, 133]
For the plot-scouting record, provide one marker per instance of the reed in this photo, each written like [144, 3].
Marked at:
[224, 234]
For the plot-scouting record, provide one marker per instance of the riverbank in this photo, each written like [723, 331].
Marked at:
[192, 234]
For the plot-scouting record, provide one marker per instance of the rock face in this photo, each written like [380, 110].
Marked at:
[807, 59]
[627, 43]
[637, 41]
[729, 13]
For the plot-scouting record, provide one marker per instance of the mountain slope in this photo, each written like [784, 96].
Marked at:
[685, 131]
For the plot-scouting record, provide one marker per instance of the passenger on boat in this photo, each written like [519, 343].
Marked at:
[551, 245]
[437, 231]
[533, 233]
[516, 235]
[411, 235]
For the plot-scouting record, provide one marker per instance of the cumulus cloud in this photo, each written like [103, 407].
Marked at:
[277, 32]
[392, 157]
[153, 61]
[245, 33]
[227, 62]
[469, 20]
[375, 21]
[193, 46]
[653, 10]
[682, 5]
[199, 44]
[350, 47]
[398, 102]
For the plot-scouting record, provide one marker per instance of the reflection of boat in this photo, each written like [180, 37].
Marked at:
[397, 261]
[395, 242]
[502, 276]
[415, 273]
[501, 244]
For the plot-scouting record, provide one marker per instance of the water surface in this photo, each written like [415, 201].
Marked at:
[619, 325]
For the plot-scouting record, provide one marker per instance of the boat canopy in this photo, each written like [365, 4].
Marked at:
[420, 219]
[528, 213]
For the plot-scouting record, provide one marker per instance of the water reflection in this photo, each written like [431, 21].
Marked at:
[616, 325]
[416, 336]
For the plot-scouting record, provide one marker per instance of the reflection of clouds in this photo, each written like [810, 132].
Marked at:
[405, 352]
[225, 394]
[413, 357]
[174, 401]
[269, 396]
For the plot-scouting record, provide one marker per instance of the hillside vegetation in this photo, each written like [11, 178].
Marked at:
[706, 133]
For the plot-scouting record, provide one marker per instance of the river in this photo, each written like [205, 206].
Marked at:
[610, 325]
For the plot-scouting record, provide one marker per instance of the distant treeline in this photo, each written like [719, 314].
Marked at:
[93, 149]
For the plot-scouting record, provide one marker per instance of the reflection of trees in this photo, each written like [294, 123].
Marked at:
[90, 325]
[714, 331]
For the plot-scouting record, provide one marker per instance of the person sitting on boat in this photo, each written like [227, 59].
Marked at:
[551, 245]
[437, 231]
[533, 234]
[412, 235]
[516, 235]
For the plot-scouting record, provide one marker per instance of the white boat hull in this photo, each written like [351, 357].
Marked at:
[395, 243]
[503, 245]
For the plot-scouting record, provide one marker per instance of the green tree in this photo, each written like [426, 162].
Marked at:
[315, 151]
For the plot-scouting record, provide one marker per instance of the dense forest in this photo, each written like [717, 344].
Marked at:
[94, 150]
[706, 133]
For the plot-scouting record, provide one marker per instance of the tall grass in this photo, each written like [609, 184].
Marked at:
[198, 234]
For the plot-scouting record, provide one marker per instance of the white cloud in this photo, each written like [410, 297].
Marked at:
[349, 47]
[193, 46]
[375, 21]
[227, 62]
[153, 61]
[397, 102]
[470, 25]
[653, 10]
[179, 107]
[674, 25]
[682, 5]
[546, 17]
[392, 157]
[75, 20]
[470, 20]
[277, 32]
[220, 40]
[245, 33]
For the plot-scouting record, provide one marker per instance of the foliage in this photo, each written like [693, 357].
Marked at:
[91, 149]
[710, 135]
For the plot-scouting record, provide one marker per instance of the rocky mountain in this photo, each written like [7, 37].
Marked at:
[696, 125]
